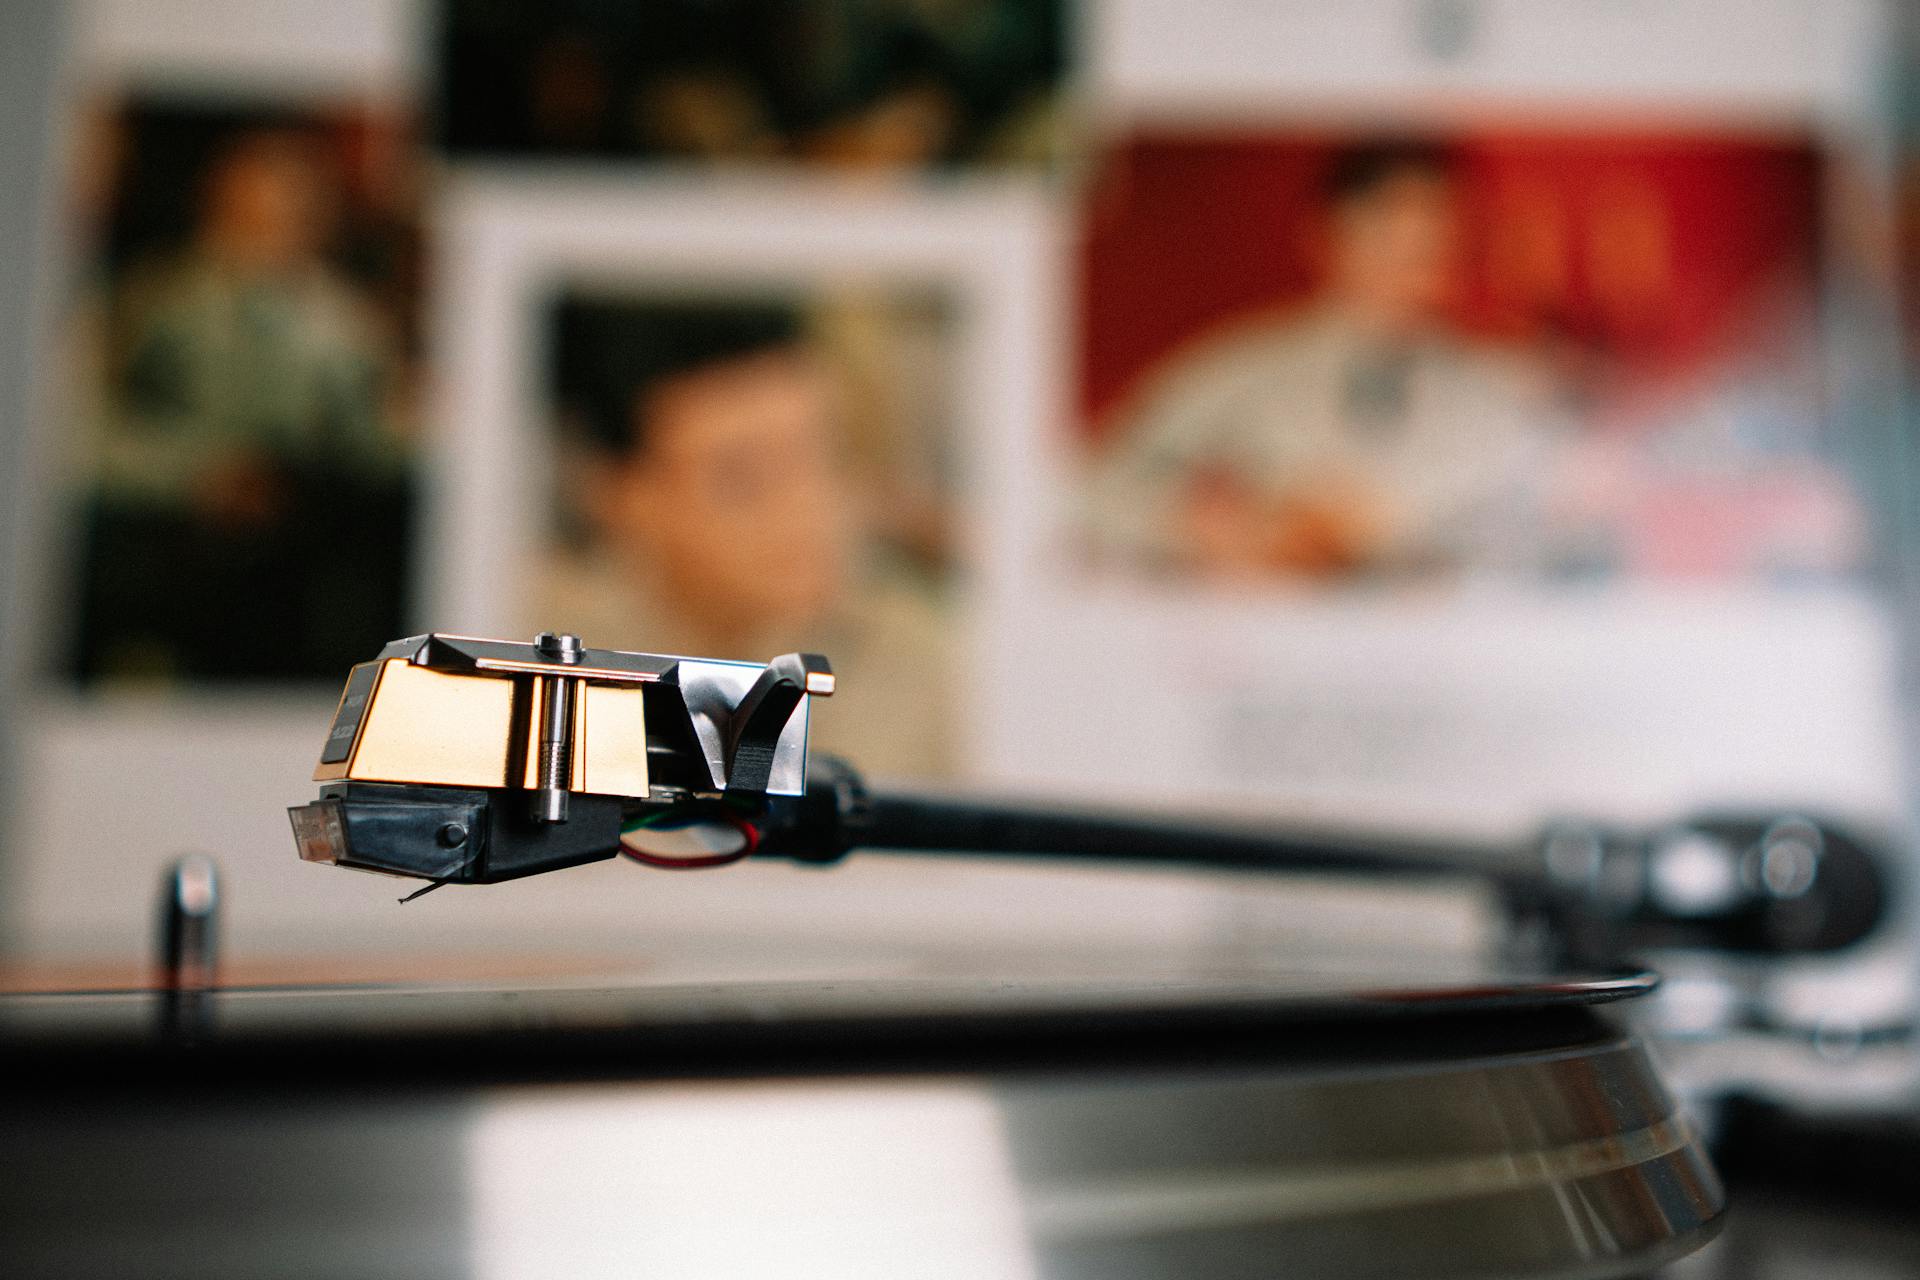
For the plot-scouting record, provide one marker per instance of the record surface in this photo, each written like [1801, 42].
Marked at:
[1195, 1126]
[867, 1022]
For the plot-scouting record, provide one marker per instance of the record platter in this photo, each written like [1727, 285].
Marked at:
[1158, 1126]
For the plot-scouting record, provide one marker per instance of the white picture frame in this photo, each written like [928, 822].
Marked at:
[507, 243]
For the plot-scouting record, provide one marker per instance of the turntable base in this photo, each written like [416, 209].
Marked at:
[1267, 1125]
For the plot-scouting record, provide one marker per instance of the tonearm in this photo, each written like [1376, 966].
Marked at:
[465, 761]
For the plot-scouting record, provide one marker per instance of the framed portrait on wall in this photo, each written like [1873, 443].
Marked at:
[1459, 475]
[723, 419]
[237, 460]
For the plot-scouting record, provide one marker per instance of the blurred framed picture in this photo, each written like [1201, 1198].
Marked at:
[759, 474]
[745, 420]
[1458, 480]
[845, 85]
[239, 454]
[1364, 360]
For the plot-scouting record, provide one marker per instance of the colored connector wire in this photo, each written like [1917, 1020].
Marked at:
[749, 840]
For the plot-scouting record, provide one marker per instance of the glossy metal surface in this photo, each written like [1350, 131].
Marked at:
[1556, 1163]
[440, 711]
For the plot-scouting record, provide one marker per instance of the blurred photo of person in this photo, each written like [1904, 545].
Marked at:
[245, 478]
[1548, 356]
[710, 506]
[1358, 432]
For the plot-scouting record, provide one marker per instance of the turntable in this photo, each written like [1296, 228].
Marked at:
[1049, 1118]
[1146, 1124]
